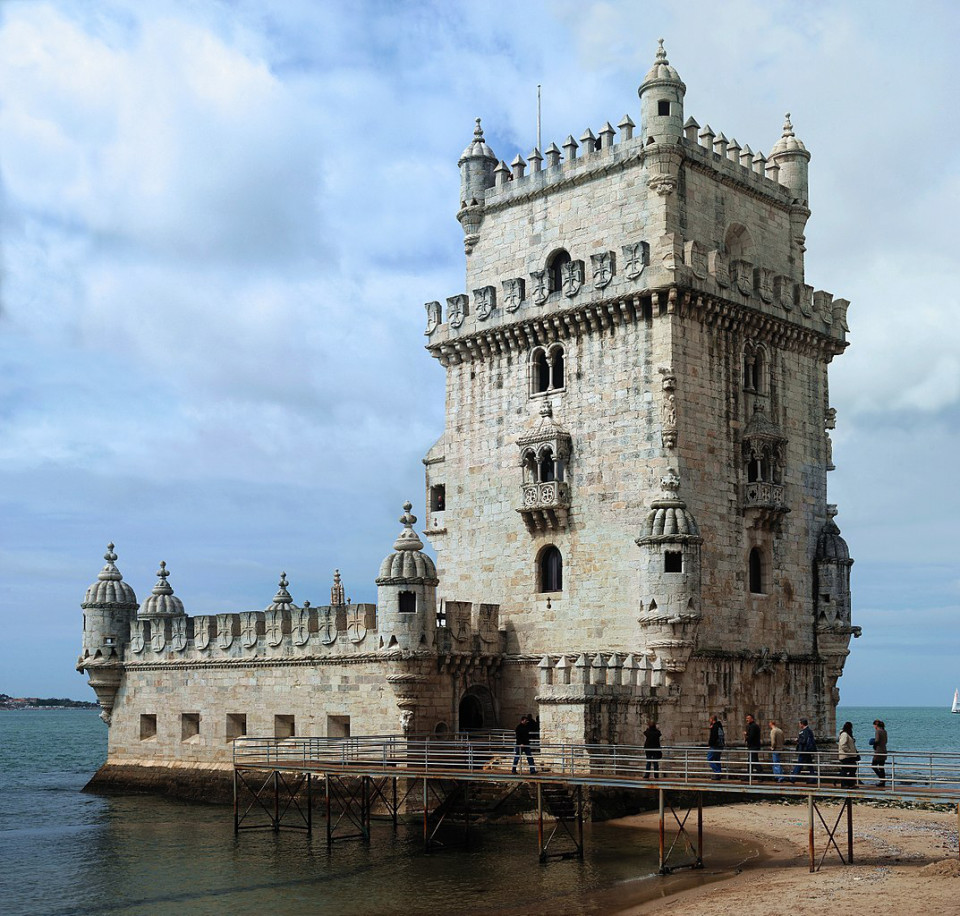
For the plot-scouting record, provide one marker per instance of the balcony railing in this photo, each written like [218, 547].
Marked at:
[544, 506]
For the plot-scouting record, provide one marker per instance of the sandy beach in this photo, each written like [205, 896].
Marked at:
[905, 861]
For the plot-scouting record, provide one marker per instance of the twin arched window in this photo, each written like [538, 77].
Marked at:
[550, 570]
[546, 369]
[753, 369]
[541, 466]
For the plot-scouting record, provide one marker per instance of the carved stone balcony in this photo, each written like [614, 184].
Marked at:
[764, 502]
[544, 506]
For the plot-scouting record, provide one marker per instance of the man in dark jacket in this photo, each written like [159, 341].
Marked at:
[806, 745]
[752, 738]
[716, 742]
[522, 732]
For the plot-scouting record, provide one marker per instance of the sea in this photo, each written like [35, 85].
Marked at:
[65, 852]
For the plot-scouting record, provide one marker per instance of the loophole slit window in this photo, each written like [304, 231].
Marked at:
[756, 571]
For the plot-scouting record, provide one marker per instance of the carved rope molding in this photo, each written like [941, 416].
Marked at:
[591, 318]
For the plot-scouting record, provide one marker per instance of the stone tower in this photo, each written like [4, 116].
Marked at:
[634, 463]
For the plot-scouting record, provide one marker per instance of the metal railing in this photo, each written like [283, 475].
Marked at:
[492, 756]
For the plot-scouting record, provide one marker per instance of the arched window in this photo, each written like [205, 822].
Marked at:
[540, 370]
[756, 571]
[530, 467]
[556, 367]
[551, 570]
[555, 269]
[548, 467]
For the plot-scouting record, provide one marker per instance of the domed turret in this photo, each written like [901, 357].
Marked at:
[833, 574]
[407, 591]
[109, 606]
[477, 166]
[162, 601]
[670, 578]
[792, 157]
[661, 102]
[477, 163]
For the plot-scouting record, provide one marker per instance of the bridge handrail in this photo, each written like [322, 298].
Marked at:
[619, 763]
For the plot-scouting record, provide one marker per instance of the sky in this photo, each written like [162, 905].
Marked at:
[220, 219]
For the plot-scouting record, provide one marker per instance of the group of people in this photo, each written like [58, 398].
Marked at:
[528, 730]
[806, 746]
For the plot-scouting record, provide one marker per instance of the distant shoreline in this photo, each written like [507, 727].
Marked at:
[15, 704]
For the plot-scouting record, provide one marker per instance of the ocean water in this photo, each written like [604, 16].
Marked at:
[63, 852]
[927, 729]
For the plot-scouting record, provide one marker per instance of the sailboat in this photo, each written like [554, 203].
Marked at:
[956, 701]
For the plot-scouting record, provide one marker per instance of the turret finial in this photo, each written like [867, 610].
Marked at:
[408, 539]
[162, 587]
[282, 596]
[336, 591]
[787, 126]
[110, 571]
[661, 52]
[478, 132]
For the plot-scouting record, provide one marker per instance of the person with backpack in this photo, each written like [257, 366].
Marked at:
[806, 746]
[715, 745]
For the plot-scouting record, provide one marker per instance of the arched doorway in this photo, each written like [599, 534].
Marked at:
[477, 710]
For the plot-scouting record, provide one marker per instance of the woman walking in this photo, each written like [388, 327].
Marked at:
[847, 753]
[879, 742]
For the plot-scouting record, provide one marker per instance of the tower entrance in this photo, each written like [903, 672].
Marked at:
[476, 710]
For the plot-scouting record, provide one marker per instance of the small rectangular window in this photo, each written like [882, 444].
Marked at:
[148, 726]
[672, 561]
[189, 725]
[284, 727]
[408, 603]
[338, 726]
[663, 107]
[438, 498]
[236, 725]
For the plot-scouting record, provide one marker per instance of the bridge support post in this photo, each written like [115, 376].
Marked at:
[543, 857]
[326, 787]
[236, 803]
[426, 818]
[580, 822]
[276, 801]
[850, 831]
[663, 861]
[810, 839]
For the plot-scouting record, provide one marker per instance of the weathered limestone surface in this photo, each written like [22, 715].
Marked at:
[628, 502]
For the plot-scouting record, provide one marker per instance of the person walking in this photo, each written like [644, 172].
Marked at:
[715, 745]
[776, 750]
[751, 736]
[879, 742]
[652, 750]
[806, 745]
[522, 732]
[848, 756]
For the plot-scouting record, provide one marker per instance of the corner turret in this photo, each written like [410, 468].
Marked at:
[661, 102]
[791, 156]
[109, 606]
[670, 578]
[407, 592]
[477, 166]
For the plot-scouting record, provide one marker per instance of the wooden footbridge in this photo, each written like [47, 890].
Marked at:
[441, 780]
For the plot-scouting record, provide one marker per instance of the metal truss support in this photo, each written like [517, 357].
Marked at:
[846, 807]
[445, 798]
[695, 851]
[386, 789]
[353, 802]
[287, 794]
[565, 805]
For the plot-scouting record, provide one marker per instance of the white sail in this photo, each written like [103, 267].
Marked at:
[956, 701]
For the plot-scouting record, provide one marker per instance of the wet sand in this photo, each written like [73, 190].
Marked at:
[905, 861]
